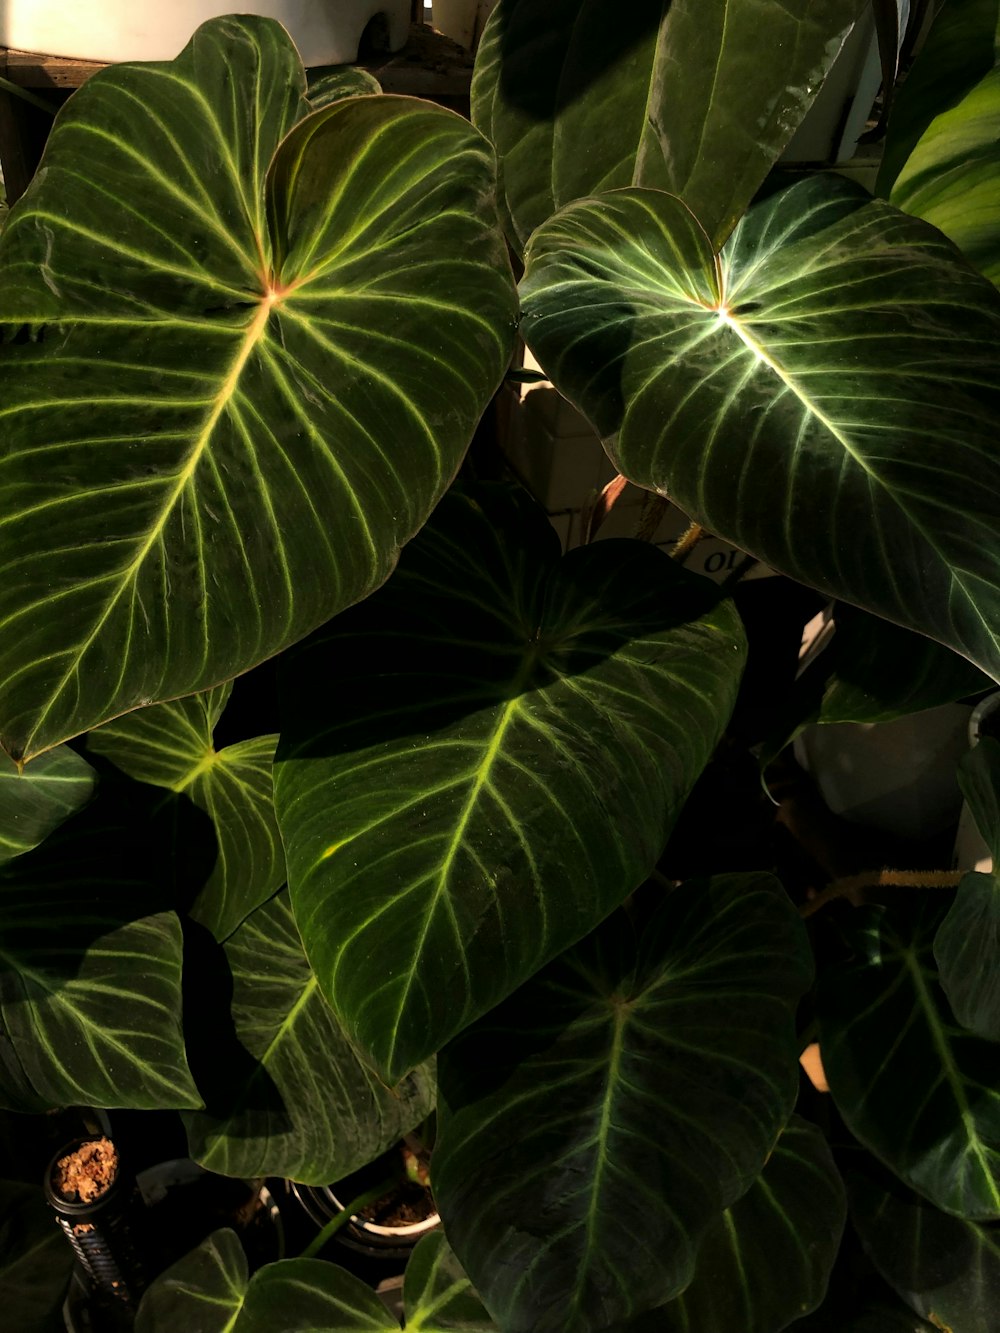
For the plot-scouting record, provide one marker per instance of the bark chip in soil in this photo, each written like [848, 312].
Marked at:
[84, 1175]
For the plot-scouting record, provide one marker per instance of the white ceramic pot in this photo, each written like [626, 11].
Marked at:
[327, 32]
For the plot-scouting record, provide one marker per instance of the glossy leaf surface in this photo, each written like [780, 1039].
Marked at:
[916, 1088]
[697, 97]
[767, 1260]
[634, 1090]
[35, 1261]
[946, 1268]
[209, 1290]
[962, 47]
[37, 800]
[236, 377]
[90, 1001]
[952, 177]
[170, 745]
[289, 1097]
[840, 361]
[437, 1294]
[967, 945]
[481, 762]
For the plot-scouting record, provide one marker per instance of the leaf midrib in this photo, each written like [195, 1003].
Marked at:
[227, 390]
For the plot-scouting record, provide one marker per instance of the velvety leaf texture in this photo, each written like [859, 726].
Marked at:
[634, 1089]
[243, 355]
[945, 1268]
[767, 1260]
[289, 1096]
[35, 1261]
[967, 945]
[90, 979]
[913, 1085]
[36, 800]
[482, 761]
[170, 745]
[208, 1290]
[838, 364]
[697, 97]
[437, 1295]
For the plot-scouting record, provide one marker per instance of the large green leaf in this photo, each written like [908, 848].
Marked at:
[914, 1087]
[698, 97]
[35, 1261]
[209, 1291]
[825, 395]
[90, 979]
[594, 1126]
[952, 177]
[946, 1268]
[170, 745]
[967, 945]
[35, 801]
[302, 1105]
[482, 761]
[767, 1260]
[963, 45]
[437, 1295]
[242, 362]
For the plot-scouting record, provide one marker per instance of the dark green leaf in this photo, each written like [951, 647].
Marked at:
[481, 762]
[825, 398]
[967, 946]
[170, 745]
[36, 800]
[593, 1127]
[914, 1087]
[697, 97]
[208, 1292]
[330, 85]
[438, 1295]
[35, 1261]
[90, 979]
[230, 391]
[302, 1105]
[946, 1268]
[952, 177]
[962, 47]
[767, 1260]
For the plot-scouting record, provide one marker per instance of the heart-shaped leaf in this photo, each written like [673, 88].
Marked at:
[209, 1290]
[946, 1268]
[302, 1105]
[90, 978]
[437, 1294]
[35, 1261]
[594, 1125]
[736, 385]
[767, 1260]
[35, 801]
[916, 1088]
[170, 745]
[967, 946]
[243, 359]
[690, 96]
[952, 177]
[481, 762]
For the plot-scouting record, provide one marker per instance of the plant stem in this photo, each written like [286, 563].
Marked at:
[687, 542]
[27, 96]
[342, 1219]
[854, 885]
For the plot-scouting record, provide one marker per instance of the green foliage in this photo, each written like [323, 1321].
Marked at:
[249, 325]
